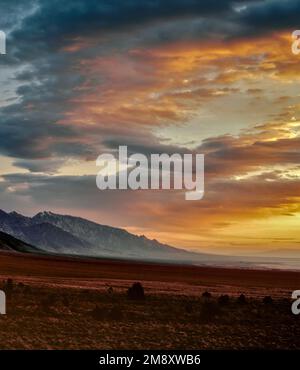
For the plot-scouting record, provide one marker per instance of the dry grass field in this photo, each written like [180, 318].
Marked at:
[56, 303]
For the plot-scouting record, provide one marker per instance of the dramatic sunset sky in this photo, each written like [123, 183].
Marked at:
[215, 77]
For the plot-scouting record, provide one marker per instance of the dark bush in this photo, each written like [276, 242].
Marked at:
[209, 311]
[110, 290]
[188, 308]
[242, 299]
[206, 295]
[10, 283]
[136, 292]
[223, 300]
[268, 300]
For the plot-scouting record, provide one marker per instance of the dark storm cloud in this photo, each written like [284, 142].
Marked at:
[54, 23]
[49, 166]
[51, 24]
[34, 127]
[13, 11]
[271, 15]
[55, 19]
[30, 134]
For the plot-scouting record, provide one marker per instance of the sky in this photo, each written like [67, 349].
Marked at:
[211, 77]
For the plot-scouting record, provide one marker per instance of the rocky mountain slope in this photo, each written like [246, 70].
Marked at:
[65, 234]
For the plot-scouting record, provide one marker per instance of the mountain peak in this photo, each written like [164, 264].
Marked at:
[16, 214]
[45, 213]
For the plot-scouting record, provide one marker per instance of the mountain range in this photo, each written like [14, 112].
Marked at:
[64, 234]
[51, 233]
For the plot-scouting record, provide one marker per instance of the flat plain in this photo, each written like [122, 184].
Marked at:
[70, 303]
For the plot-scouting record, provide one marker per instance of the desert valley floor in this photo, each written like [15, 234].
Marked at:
[69, 303]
